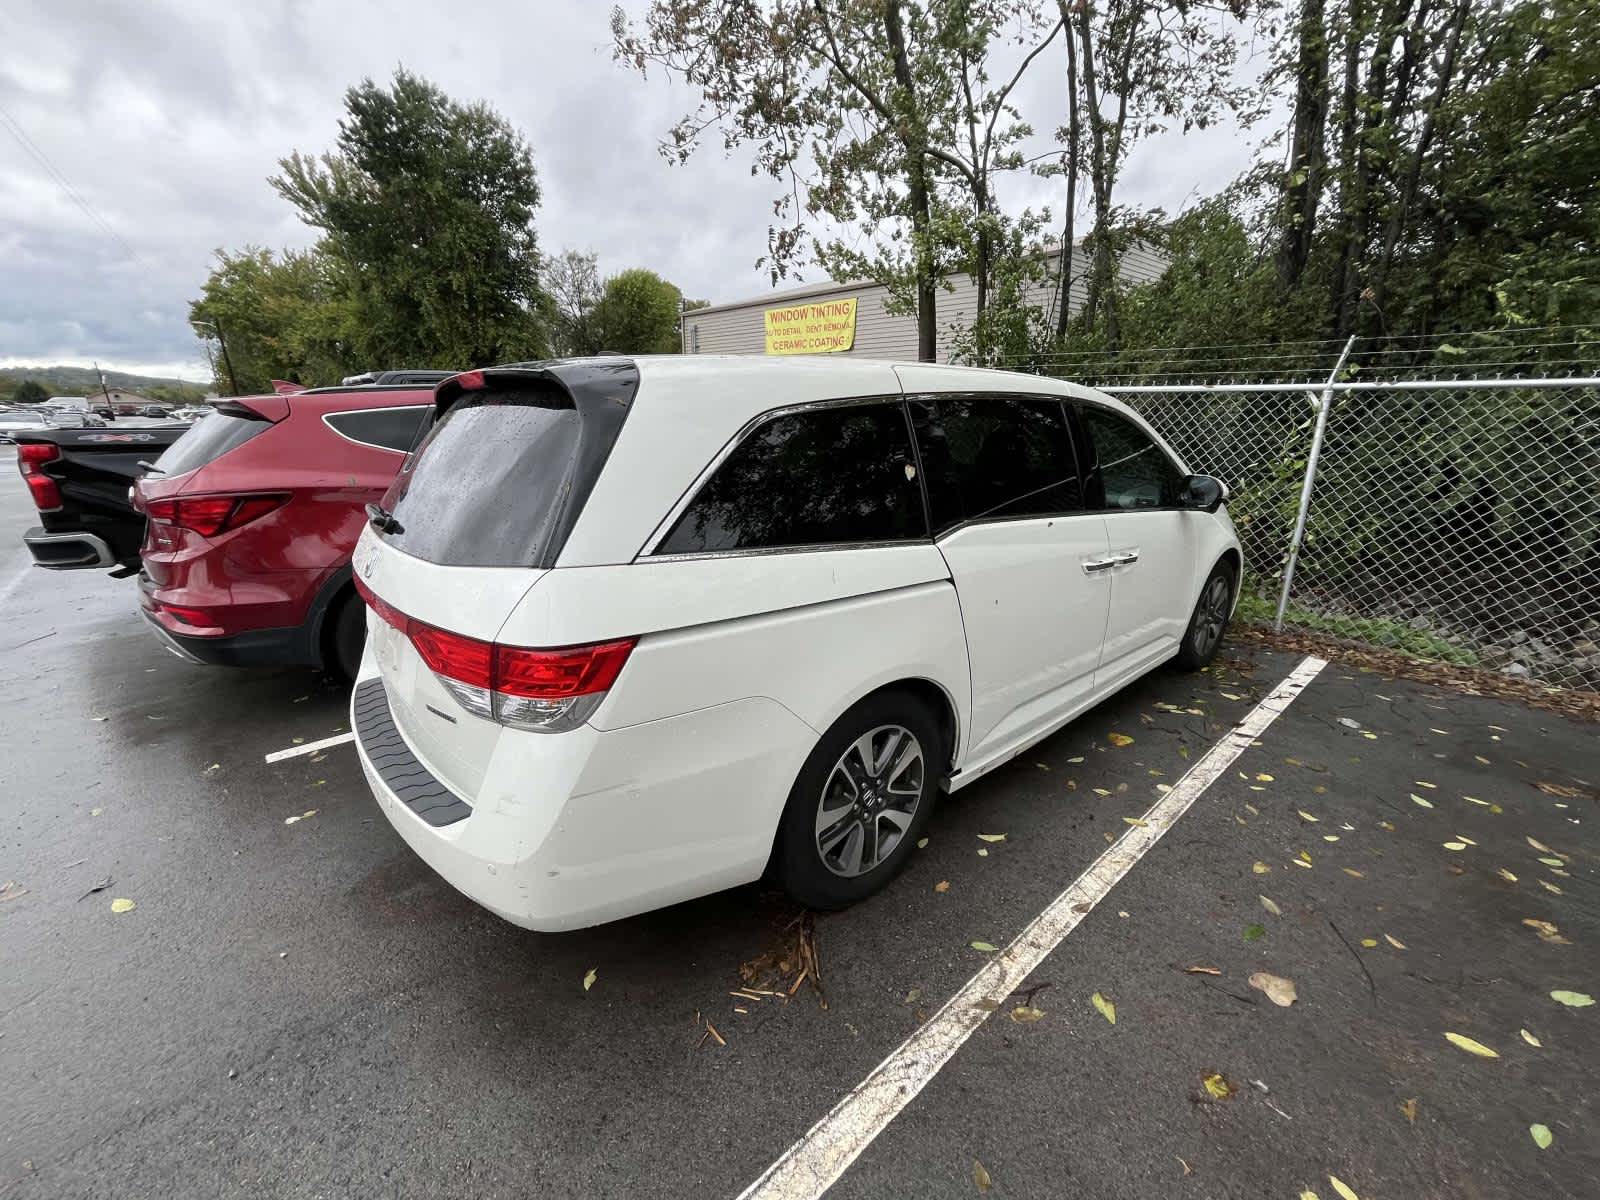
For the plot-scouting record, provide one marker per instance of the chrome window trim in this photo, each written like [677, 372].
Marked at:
[808, 548]
[356, 412]
[652, 544]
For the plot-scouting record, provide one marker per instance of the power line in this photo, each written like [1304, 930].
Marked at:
[39, 156]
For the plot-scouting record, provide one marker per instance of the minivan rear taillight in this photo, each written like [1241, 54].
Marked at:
[211, 515]
[546, 691]
[31, 457]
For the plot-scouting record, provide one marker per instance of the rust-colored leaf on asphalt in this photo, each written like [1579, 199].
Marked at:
[980, 1177]
[1025, 1014]
[1119, 739]
[942, 886]
[1546, 930]
[1409, 1108]
[1278, 989]
[1201, 971]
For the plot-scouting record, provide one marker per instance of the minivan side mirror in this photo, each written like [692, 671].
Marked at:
[1205, 492]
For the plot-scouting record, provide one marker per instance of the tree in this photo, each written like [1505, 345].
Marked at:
[572, 280]
[30, 392]
[426, 207]
[284, 316]
[638, 314]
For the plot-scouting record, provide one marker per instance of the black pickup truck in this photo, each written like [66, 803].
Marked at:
[79, 479]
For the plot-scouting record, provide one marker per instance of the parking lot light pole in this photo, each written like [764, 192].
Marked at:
[1305, 491]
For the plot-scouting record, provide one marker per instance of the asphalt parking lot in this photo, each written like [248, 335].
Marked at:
[296, 1006]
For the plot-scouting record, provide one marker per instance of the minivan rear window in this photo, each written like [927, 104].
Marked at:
[207, 440]
[488, 485]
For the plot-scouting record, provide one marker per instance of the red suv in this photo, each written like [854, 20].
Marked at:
[251, 517]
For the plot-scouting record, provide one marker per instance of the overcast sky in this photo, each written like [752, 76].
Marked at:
[166, 117]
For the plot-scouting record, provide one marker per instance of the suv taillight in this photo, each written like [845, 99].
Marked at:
[546, 691]
[31, 457]
[211, 515]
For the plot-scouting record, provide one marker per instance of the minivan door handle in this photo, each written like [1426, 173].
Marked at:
[1093, 566]
[1124, 559]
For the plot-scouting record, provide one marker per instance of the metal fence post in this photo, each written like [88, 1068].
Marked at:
[1305, 492]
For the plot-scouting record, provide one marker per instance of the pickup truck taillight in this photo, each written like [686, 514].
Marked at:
[544, 691]
[31, 457]
[211, 515]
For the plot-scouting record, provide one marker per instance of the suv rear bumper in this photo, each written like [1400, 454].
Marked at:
[579, 828]
[70, 551]
[257, 648]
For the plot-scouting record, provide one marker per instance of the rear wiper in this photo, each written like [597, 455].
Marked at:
[383, 520]
[150, 466]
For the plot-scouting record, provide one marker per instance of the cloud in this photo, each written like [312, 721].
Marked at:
[168, 116]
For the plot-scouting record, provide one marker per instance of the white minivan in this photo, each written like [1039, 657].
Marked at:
[642, 629]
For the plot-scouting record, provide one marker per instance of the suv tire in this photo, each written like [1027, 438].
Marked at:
[347, 637]
[861, 801]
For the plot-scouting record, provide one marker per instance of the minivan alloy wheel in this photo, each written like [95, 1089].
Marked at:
[869, 800]
[1213, 615]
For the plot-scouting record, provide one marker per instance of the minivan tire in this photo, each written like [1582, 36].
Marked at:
[1209, 621]
[348, 637]
[798, 860]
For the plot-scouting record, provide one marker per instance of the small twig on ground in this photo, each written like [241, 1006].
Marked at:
[1371, 986]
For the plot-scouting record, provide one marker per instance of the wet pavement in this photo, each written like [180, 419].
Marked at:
[306, 1010]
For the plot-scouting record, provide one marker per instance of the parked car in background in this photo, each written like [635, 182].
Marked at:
[72, 419]
[156, 411]
[251, 517]
[642, 628]
[21, 421]
[192, 412]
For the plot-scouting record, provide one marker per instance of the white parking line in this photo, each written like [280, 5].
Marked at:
[813, 1164]
[310, 747]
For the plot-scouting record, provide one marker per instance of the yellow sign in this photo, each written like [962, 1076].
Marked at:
[827, 327]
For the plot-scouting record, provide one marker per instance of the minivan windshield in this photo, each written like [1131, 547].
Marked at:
[487, 486]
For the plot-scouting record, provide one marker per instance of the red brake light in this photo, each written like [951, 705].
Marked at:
[30, 458]
[470, 381]
[557, 674]
[211, 515]
[462, 658]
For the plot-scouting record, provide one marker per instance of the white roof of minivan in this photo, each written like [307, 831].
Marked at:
[689, 406]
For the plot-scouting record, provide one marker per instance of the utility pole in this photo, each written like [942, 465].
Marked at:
[233, 380]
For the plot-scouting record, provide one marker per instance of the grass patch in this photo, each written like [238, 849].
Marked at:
[1373, 631]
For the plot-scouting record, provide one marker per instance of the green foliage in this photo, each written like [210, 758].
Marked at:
[283, 317]
[29, 392]
[638, 314]
[426, 209]
[1259, 610]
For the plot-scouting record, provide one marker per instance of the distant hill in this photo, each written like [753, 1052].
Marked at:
[84, 381]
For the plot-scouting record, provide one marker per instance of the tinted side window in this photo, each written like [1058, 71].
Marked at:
[207, 440]
[1130, 470]
[987, 457]
[387, 428]
[819, 477]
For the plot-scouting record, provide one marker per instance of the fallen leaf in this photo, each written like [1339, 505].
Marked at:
[1026, 1015]
[922, 843]
[1349, 723]
[1386, 825]
[1542, 1137]
[11, 890]
[1394, 941]
[981, 1177]
[1562, 790]
[1308, 1194]
[1187, 1169]
[1263, 777]
[1475, 800]
[1540, 846]
[1076, 759]
[1343, 1188]
[1571, 999]
[1042, 766]
[1423, 783]
[1217, 1085]
[1252, 932]
[95, 812]
[303, 816]
[212, 769]
[1140, 822]
[1278, 989]
[1260, 868]
[991, 837]
[1330, 837]
[1454, 845]
[1409, 1108]
[588, 980]
[1305, 816]
[122, 905]
[1551, 862]
[1531, 1040]
[1370, 943]
[1506, 875]
[1549, 887]
[1101, 792]
[986, 947]
[1270, 905]
[1546, 930]
[1421, 801]
[1104, 1007]
[1119, 739]
[1470, 1046]
[1353, 873]
[982, 853]
[1201, 971]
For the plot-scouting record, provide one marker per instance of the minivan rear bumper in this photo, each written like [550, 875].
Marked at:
[574, 829]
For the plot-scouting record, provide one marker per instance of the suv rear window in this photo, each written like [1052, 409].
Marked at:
[490, 482]
[207, 440]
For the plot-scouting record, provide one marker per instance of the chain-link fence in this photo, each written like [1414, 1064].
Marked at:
[1455, 520]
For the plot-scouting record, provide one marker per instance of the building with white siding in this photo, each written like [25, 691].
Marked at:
[741, 328]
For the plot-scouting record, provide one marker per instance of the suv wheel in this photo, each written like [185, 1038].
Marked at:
[1210, 620]
[861, 801]
[348, 637]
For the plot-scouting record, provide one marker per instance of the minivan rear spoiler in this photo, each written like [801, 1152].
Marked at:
[593, 384]
[254, 408]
